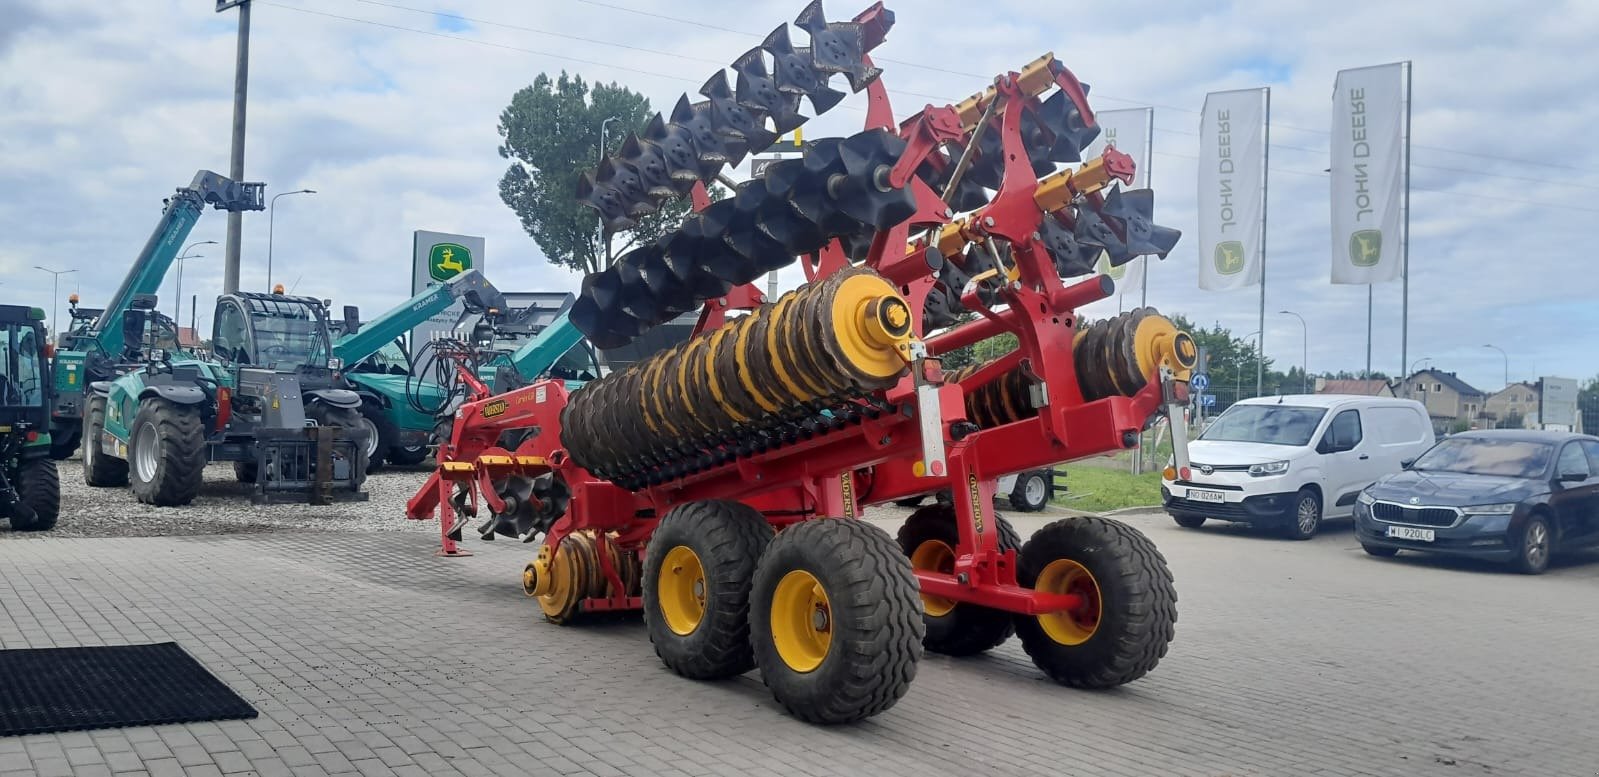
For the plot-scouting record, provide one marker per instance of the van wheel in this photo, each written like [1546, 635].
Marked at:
[1189, 521]
[1305, 518]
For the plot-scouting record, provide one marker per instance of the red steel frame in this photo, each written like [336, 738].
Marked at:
[836, 473]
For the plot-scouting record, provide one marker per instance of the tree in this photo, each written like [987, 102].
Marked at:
[551, 134]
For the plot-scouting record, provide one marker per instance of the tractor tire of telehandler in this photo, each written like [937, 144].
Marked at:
[698, 568]
[836, 620]
[929, 538]
[166, 453]
[349, 419]
[1130, 611]
[99, 470]
[39, 486]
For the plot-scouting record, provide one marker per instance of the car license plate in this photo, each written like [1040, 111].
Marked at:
[1199, 495]
[1409, 533]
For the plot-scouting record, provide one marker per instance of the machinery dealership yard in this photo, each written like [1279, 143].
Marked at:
[364, 654]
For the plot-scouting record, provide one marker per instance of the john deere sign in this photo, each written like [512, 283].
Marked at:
[437, 257]
[447, 260]
[1365, 247]
[1229, 257]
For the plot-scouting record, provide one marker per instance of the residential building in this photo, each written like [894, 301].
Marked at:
[1514, 406]
[1449, 399]
[1365, 388]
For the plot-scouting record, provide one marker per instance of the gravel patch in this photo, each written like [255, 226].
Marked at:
[223, 507]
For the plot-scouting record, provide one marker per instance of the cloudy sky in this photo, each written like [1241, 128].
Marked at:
[388, 109]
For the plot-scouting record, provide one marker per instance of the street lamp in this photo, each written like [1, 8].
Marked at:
[1507, 360]
[1304, 330]
[55, 297]
[270, 214]
[177, 310]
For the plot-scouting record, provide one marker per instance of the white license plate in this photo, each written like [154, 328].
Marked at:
[1199, 495]
[1409, 533]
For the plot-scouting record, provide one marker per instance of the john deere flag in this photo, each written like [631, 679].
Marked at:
[1128, 131]
[1232, 188]
[1368, 173]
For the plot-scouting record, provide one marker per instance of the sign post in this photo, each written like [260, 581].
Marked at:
[437, 257]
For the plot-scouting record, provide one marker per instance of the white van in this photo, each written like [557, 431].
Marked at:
[1291, 461]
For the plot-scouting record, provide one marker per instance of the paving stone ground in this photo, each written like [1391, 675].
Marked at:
[365, 655]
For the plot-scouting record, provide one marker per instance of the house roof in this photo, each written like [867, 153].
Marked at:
[1526, 387]
[186, 337]
[1449, 379]
[1369, 388]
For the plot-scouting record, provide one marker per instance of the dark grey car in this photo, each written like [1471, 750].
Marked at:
[1508, 496]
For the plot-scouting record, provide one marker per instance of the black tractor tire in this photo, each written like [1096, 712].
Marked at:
[958, 628]
[841, 596]
[245, 471]
[348, 418]
[724, 540]
[64, 439]
[378, 449]
[178, 460]
[1304, 520]
[1134, 614]
[1189, 521]
[39, 487]
[99, 469]
[1025, 503]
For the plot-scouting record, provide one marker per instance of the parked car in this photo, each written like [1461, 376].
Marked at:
[1515, 496]
[1292, 461]
[1027, 492]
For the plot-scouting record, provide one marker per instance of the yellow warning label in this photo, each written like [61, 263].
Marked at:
[977, 503]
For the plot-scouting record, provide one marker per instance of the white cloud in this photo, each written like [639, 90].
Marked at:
[105, 106]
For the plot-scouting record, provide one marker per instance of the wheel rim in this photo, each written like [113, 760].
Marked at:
[934, 556]
[680, 586]
[371, 430]
[1078, 625]
[563, 582]
[1308, 515]
[1537, 543]
[145, 452]
[802, 621]
[1034, 490]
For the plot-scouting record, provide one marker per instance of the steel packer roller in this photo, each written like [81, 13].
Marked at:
[714, 486]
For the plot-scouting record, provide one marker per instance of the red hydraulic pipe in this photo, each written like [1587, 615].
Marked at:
[1083, 292]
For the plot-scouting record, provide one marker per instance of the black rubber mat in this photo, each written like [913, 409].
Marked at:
[70, 689]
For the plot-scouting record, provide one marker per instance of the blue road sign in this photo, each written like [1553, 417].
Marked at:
[1207, 400]
[1199, 382]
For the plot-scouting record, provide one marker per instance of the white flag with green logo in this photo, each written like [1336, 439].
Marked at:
[1232, 188]
[1128, 130]
[1368, 173]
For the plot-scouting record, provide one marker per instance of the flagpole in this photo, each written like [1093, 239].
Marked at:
[1265, 179]
[1404, 244]
[1149, 183]
[1368, 331]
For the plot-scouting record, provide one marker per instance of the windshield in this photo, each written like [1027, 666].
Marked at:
[1270, 424]
[289, 342]
[1486, 456]
[21, 383]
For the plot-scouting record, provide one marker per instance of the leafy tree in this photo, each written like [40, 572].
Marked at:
[551, 134]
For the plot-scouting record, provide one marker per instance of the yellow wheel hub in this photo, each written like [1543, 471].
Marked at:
[802, 621]
[562, 588]
[1075, 626]
[680, 587]
[871, 323]
[935, 556]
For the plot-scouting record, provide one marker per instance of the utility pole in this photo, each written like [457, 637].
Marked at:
[241, 81]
